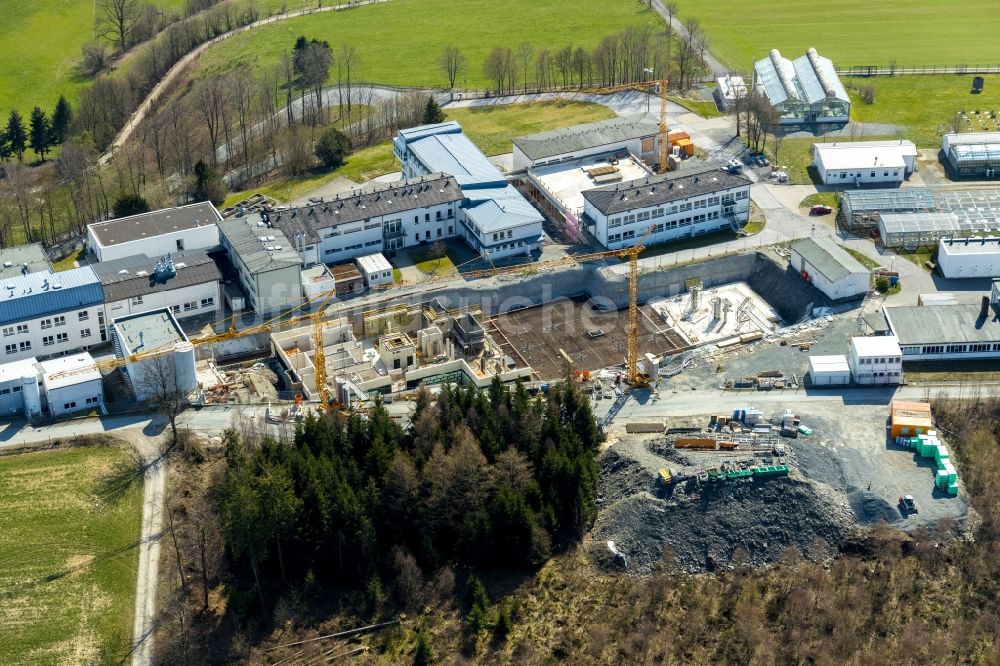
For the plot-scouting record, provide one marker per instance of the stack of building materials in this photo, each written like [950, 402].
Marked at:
[928, 446]
[910, 418]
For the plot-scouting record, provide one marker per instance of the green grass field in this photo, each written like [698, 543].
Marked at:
[40, 48]
[68, 557]
[850, 32]
[492, 127]
[924, 106]
[400, 42]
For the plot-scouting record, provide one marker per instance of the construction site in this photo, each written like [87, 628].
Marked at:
[750, 485]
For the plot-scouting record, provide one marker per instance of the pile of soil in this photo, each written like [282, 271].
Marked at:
[710, 526]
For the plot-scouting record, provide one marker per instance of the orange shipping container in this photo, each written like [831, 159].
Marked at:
[910, 426]
[905, 406]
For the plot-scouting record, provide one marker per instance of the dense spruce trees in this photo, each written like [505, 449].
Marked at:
[485, 479]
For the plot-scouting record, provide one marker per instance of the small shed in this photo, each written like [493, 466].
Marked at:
[348, 279]
[829, 370]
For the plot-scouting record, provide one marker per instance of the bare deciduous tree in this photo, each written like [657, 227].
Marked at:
[160, 386]
[117, 20]
[452, 63]
[525, 54]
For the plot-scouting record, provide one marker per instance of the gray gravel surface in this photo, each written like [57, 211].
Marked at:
[705, 526]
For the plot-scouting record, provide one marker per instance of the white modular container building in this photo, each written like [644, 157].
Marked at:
[969, 257]
[829, 370]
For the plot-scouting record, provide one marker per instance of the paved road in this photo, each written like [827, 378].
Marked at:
[712, 400]
[140, 113]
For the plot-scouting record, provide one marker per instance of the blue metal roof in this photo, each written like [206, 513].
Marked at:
[454, 154]
[37, 294]
[423, 131]
[494, 209]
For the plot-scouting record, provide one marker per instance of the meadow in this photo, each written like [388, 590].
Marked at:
[40, 49]
[68, 556]
[400, 42]
[850, 32]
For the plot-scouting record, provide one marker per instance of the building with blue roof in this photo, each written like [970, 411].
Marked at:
[46, 314]
[804, 91]
[495, 219]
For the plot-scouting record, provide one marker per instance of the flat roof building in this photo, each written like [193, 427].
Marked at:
[165, 356]
[974, 257]
[23, 259]
[637, 135]
[186, 282]
[268, 266]
[830, 268]
[728, 90]
[678, 204]
[804, 91]
[864, 162]
[876, 360]
[376, 269]
[948, 332]
[156, 233]
[829, 370]
[72, 384]
[972, 154]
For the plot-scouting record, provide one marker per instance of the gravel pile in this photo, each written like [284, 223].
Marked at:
[706, 526]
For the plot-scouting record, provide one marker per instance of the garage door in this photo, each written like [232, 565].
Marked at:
[821, 379]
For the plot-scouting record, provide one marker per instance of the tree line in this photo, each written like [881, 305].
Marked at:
[492, 479]
[632, 55]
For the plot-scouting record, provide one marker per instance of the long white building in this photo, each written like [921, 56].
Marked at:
[383, 218]
[496, 220]
[851, 163]
[638, 135]
[969, 257]
[948, 332]
[156, 233]
[49, 314]
[680, 204]
[188, 283]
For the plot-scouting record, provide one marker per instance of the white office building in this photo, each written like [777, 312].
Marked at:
[876, 360]
[729, 89]
[188, 283]
[679, 204]
[969, 257]
[382, 218]
[853, 163]
[830, 268]
[156, 233]
[71, 384]
[496, 220]
[49, 314]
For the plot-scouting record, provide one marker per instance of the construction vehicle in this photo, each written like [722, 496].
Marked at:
[660, 85]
